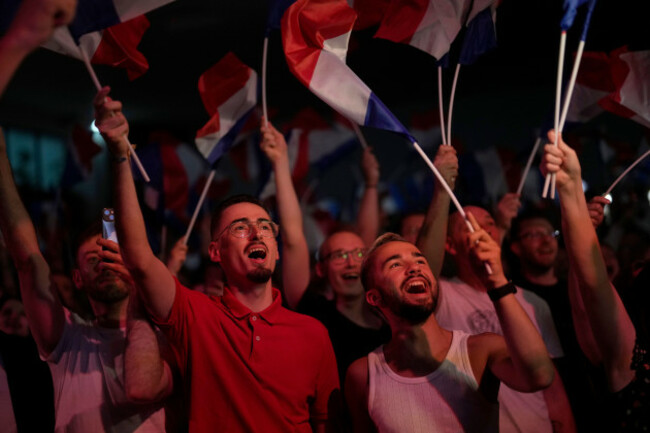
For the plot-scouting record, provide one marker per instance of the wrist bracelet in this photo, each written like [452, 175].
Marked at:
[499, 292]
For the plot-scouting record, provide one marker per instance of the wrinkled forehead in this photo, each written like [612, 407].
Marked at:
[341, 241]
[394, 249]
[88, 245]
[241, 211]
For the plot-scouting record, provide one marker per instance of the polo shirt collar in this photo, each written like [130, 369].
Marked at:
[271, 314]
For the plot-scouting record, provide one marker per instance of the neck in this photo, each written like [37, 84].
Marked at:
[358, 311]
[542, 277]
[416, 350]
[256, 297]
[468, 276]
[111, 315]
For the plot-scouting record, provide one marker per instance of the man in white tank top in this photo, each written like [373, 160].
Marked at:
[429, 379]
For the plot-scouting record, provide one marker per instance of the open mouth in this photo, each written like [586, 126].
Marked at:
[415, 287]
[350, 276]
[257, 254]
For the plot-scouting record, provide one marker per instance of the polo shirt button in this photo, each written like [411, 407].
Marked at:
[254, 318]
[258, 338]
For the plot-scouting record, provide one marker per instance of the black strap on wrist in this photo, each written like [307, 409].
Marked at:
[499, 292]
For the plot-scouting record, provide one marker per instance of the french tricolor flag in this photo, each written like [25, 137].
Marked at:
[93, 15]
[315, 35]
[229, 93]
[115, 46]
[429, 25]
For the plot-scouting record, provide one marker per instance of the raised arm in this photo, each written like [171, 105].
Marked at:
[295, 253]
[433, 234]
[147, 377]
[152, 278]
[520, 359]
[32, 25]
[506, 210]
[605, 312]
[368, 217]
[43, 309]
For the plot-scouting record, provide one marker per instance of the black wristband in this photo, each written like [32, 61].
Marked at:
[499, 292]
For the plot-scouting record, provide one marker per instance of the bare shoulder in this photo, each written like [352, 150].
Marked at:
[357, 372]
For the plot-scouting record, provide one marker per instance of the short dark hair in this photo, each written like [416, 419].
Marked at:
[368, 260]
[225, 204]
[94, 229]
[531, 214]
[340, 228]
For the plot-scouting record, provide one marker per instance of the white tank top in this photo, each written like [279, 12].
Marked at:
[446, 400]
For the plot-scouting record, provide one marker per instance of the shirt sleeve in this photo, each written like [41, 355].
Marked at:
[327, 400]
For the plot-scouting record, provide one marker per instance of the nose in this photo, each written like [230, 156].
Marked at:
[254, 231]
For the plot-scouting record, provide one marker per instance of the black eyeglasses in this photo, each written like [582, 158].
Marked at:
[539, 234]
[341, 256]
[242, 228]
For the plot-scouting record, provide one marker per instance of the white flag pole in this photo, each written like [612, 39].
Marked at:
[440, 107]
[558, 97]
[264, 58]
[451, 103]
[520, 188]
[627, 170]
[98, 85]
[444, 184]
[206, 188]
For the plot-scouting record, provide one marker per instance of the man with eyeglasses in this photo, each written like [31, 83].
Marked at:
[354, 326]
[534, 241]
[247, 363]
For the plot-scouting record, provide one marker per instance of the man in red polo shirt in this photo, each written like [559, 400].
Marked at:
[248, 364]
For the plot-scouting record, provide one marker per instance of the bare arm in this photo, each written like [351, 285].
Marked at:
[177, 256]
[605, 311]
[356, 396]
[368, 217]
[520, 359]
[433, 234]
[45, 314]
[295, 253]
[559, 408]
[33, 24]
[147, 377]
[506, 210]
[152, 278]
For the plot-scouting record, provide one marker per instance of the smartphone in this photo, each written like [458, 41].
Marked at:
[108, 224]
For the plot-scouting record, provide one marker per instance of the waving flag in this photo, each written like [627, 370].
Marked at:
[571, 10]
[315, 35]
[276, 11]
[369, 12]
[229, 93]
[93, 15]
[115, 46]
[429, 25]
[481, 36]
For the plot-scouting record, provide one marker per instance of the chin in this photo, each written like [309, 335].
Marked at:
[260, 275]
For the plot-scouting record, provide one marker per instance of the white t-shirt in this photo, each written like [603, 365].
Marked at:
[88, 375]
[464, 308]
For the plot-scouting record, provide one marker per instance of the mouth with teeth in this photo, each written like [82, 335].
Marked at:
[350, 276]
[257, 253]
[415, 286]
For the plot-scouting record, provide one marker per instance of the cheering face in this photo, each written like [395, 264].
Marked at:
[250, 258]
[411, 226]
[536, 244]
[458, 238]
[104, 286]
[341, 263]
[403, 284]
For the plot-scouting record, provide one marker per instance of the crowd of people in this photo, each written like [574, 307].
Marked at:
[429, 330]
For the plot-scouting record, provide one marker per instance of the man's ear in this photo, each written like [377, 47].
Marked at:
[76, 278]
[213, 250]
[320, 272]
[374, 298]
[449, 246]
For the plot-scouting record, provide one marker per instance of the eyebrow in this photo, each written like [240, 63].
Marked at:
[398, 256]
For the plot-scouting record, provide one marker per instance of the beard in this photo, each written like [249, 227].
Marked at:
[415, 314]
[259, 275]
[107, 289]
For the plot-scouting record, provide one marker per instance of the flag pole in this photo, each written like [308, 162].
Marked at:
[627, 170]
[451, 103]
[362, 139]
[520, 188]
[264, 57]
[558, 97]
[206, 187]
[440, 107]
[444, 184]
[98, 86]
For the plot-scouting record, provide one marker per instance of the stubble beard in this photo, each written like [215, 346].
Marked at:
[116, 291]
[259, 275]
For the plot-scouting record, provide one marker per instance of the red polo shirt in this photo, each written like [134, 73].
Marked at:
[271, 371]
